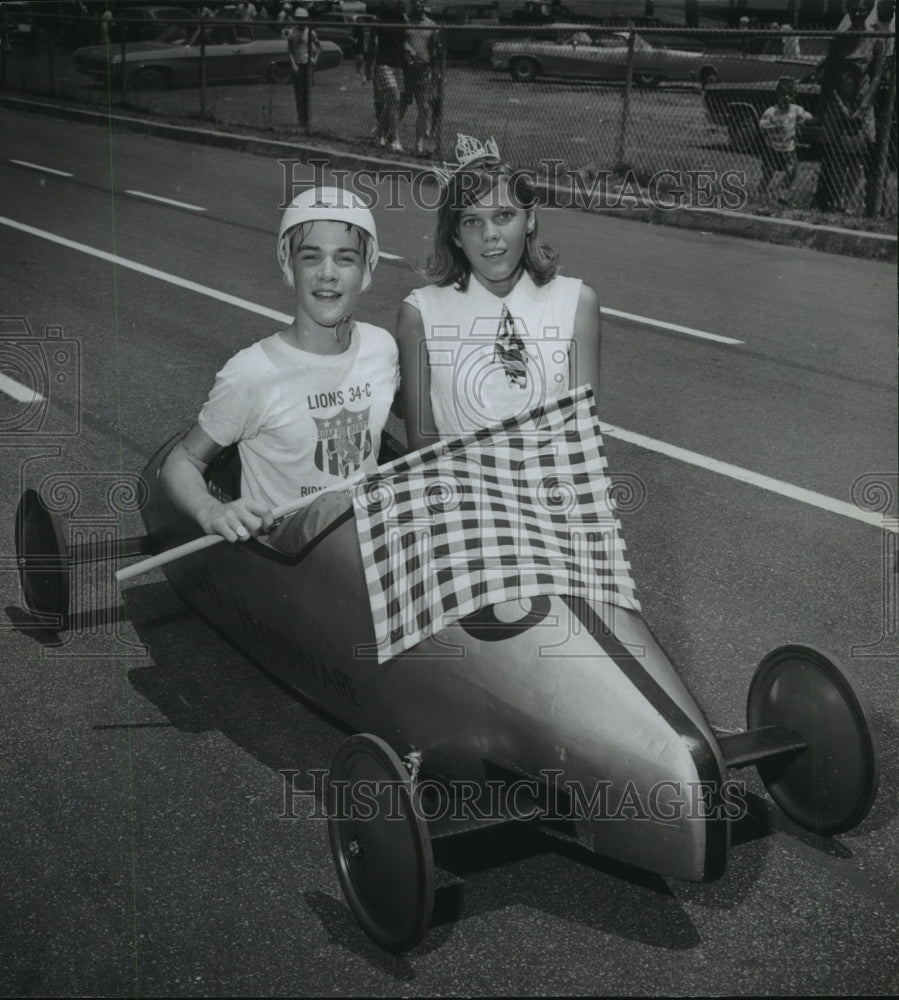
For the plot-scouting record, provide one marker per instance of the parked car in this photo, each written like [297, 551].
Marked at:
[235, 53]
[763, 59]
[595, 55]
[142, 24]
[20, 27]
[738, 107]
[457, 21]
[338, 27]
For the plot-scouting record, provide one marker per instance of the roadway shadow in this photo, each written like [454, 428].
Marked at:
[518, 864]
[200, 682]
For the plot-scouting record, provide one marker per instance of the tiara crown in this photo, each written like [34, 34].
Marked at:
[468, 150]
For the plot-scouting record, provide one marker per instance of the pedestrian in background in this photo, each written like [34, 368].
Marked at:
[302, 50]
[850, 76]
[384, 63]
[421, 71]
[778, 125]
[790, 43]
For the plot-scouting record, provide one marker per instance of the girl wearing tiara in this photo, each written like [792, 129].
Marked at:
[498, 332]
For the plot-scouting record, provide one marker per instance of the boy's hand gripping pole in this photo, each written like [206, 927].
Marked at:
[205, 541]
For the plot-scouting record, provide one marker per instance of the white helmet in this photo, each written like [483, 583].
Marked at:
[327, 204]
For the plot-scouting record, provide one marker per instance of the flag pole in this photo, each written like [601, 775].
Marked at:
[205, 541]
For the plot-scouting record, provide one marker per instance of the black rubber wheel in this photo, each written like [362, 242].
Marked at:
[279, 73]
[381, 845]
[646, 80]
[829, 787]
[707, 75]
[42, 558]
[150, 78]
[523, 69]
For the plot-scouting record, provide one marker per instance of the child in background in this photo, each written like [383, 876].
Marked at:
[778, 125]
[498, 332]
[307, 405]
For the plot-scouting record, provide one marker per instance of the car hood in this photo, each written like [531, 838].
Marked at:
[761, 86]
[104, 52]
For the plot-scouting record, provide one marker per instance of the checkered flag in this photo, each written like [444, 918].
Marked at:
[516, 510]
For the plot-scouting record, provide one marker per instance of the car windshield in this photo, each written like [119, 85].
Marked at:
[176, 34]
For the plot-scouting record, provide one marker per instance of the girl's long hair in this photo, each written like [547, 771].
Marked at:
[448, 264]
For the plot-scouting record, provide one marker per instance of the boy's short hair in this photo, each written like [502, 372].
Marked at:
[786, 85]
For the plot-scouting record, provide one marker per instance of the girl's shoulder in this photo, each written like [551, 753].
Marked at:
[560, 291]
[561, 285]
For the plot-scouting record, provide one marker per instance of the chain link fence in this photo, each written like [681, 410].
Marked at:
[618, 116]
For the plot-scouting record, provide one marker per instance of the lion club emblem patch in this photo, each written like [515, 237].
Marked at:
[344, 442]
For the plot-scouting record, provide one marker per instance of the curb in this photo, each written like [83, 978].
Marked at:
[786, 232]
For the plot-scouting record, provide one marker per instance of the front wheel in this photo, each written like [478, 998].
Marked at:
[707, 75]
[524, 70]
[831, 785]
[380, 843]
[150, 78]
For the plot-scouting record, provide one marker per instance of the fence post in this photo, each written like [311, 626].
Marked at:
[883, 131]
[308, 69]
[202, 70]
[123, 63]
[47, 33]
[4, 42]
[625, 100]
[438, 98]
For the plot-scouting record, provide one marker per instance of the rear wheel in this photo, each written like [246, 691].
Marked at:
[279, 73]
[523, 69]
[42, 558]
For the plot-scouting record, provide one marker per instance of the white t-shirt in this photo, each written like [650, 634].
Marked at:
[303, 421]
[779, 127]
[470, 387]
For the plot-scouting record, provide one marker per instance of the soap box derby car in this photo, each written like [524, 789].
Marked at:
[591, 725]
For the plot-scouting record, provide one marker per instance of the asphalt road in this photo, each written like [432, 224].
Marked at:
[143, 851]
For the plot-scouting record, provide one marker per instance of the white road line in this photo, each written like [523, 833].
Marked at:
[46, 170]
[818, 500]
[669, 326]
[165, 201]
[19, 392]
[151, 272]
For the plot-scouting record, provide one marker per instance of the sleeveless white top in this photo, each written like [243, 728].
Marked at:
[470, 387]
